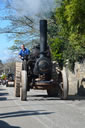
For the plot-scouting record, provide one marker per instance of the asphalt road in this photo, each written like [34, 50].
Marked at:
[40, 111]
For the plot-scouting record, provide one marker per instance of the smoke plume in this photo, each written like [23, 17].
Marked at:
[33, 7]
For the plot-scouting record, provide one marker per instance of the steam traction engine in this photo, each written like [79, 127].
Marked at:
[37, 71]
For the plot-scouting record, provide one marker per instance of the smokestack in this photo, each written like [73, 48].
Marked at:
[43, 36]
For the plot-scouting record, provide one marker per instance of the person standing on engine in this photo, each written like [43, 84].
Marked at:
[23, 52]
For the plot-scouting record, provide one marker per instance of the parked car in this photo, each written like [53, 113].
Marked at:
[10, 80]
[4, 82]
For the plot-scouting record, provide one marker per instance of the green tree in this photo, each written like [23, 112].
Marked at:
[3, 77]
[70, 36]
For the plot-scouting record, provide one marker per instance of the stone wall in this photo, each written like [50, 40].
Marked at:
[77, 79]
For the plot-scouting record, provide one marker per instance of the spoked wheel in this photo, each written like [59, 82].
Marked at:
[23, 90]
[17, 80]
[64, 85]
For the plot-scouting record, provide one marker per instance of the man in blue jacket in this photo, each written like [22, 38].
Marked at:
[23, 52]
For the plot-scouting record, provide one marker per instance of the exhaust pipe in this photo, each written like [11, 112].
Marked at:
[43, 37]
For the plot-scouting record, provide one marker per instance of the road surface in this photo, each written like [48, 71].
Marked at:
[40, 111]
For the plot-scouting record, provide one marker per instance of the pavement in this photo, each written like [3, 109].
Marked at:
[40, 111]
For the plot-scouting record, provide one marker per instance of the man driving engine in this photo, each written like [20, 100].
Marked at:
[23, 52]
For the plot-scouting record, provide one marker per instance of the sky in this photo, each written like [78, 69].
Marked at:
[4, 45]
[5, 53]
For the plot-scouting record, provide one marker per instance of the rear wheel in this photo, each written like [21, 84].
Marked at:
[17, 81]
[23, 89]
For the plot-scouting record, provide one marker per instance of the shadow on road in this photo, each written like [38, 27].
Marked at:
[2, 89]
[3, 124]
[47, 98]
[76, 97]
[23, 113]
[41, 98]
[2, 96]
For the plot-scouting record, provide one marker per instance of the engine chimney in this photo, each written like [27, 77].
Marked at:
[43, 37]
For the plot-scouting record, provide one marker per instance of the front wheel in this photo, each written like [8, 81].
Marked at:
[23, 89]
[64, 85]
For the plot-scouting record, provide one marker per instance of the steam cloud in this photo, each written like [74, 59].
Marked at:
[33, 7]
